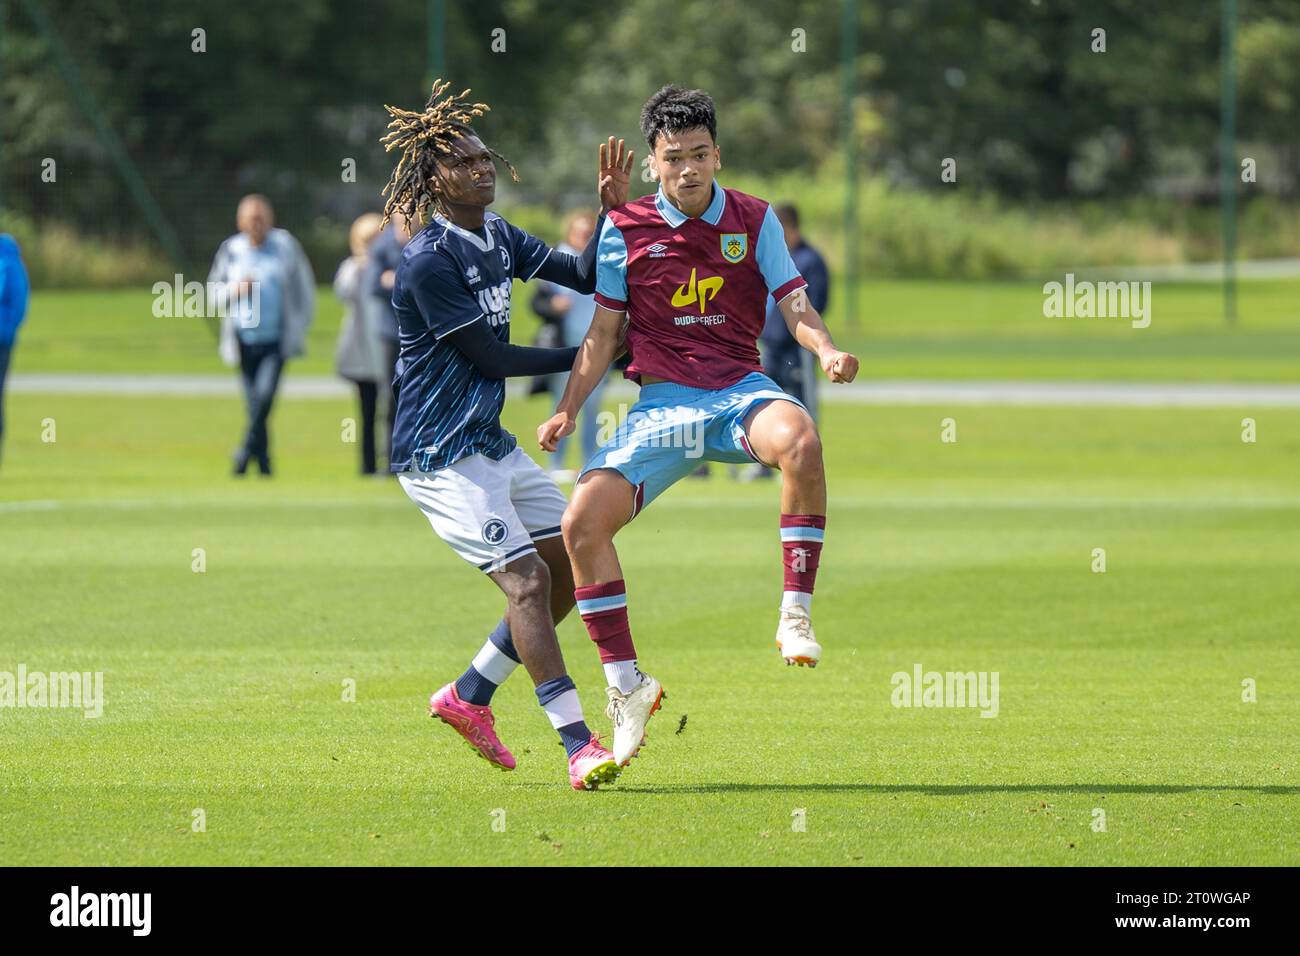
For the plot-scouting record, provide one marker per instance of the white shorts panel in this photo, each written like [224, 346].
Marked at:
[489, 512]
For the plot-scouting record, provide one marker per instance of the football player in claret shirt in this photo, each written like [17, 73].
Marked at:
[487, 499]
[689, 271]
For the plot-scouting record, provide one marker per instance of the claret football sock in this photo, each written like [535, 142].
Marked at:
[604, 610]
[495, 662]
[801, 546]
[559, 698]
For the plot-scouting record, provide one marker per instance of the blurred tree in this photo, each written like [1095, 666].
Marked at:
[285, 92]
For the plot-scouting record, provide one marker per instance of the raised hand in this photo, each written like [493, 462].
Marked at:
[615, 175]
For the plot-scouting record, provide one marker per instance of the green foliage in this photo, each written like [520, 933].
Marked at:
[286, 92]
[60, 256]
[965, 235]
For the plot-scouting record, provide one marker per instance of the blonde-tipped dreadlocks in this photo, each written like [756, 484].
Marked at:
[423, 138]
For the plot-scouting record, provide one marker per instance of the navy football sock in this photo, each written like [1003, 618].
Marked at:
[559, 698]
[491, 666]
[473, 688]
[575, 736]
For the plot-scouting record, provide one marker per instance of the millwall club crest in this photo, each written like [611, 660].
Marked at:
[734, 245]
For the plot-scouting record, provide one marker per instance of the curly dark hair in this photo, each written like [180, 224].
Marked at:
[675, 110]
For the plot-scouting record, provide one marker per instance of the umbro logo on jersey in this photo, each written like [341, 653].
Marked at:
[657, 251]
[471, 274]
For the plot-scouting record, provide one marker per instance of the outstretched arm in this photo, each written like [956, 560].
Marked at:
[597, 351]
[808, 329]
[613, 179]
[573, 272]
[496, 359]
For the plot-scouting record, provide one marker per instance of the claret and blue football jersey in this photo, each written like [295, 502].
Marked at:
[695, 288]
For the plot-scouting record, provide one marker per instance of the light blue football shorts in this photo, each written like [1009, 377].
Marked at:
[673, 428]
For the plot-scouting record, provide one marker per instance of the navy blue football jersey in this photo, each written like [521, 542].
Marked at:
[448, 278]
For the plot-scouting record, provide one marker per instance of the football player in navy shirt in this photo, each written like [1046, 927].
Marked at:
[481, 493]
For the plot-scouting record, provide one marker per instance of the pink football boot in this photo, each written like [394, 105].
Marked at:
[591, 766]
[472, 722]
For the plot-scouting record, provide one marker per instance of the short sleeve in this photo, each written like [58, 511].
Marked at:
[611, 268]
[527, 253]
[774, 261]
[444, 302]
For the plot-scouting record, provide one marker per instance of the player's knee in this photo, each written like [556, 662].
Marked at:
[581, 530]
[574, 527]
[802, 449]
[531, 585]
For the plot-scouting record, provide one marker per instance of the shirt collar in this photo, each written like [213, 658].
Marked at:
[483, 245]
[675, 217]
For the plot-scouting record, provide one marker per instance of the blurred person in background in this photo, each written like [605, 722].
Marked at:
[361, 356]
[570, 314]
[268, 292]
[385, 255]
[784, 361]
[13, 308]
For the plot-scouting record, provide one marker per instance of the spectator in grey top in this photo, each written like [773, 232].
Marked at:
[265, 286]
[361, 353]
[385, 256]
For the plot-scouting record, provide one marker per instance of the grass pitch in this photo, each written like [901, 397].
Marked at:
[908, 329]
[1119, 692]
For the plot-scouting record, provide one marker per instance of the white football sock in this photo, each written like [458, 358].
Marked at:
[564, 710]
[493, 664]
[797, 599]
[623, 675]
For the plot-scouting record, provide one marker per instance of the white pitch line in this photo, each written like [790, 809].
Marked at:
[1070, 394]
[888, 392]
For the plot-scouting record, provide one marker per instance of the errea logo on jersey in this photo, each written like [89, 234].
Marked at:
[703, 290]
[471, 274]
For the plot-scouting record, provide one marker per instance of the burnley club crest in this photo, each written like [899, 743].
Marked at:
[734, 245]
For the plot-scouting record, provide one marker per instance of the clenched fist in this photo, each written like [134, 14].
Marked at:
[839, 366]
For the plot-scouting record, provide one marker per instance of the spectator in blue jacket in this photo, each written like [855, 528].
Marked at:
[783, 358]
[13, 308]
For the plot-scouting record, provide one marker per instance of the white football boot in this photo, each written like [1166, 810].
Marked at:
[630, 713]
[795, 638]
